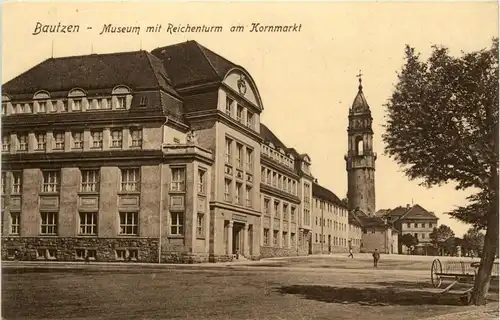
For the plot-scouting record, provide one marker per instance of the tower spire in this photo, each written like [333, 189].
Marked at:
[359, 75]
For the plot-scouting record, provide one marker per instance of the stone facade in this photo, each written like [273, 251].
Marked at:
[75, 249]
[171, 173]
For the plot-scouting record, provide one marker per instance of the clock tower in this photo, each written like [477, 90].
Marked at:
[360, 158]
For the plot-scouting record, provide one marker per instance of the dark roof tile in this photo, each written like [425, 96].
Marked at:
[136, 69]
[325, 194]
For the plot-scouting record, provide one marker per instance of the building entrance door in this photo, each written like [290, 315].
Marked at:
[238, 238]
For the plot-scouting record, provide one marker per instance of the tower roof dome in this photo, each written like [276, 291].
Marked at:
[360, 104]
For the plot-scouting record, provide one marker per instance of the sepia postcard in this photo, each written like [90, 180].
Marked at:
[239, 160]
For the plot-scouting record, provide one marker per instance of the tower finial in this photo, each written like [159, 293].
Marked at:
[360, 87]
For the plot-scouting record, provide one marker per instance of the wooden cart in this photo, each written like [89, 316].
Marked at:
[458, 272]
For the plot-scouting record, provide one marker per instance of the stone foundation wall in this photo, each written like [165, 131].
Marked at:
[269, 252]
[184, 257]
[220, 258]
[67, 249]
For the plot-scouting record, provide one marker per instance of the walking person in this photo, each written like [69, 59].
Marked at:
[350, 254]
[376, 257]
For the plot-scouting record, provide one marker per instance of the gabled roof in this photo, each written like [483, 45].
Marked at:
[189, 63]
[137, 70]
[325, 194]
[382, 212]
[418, 212]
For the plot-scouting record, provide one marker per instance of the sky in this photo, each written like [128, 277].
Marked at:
[307, 79]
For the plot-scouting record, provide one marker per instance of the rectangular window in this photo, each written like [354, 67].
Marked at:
[50, 181]
[292, 214]
[4, 182]
[239, 156]
[416, 225]
[144, 101]
[116, 138]
[277, 208]
[177, 223]
[238, 193]
[239, 114]
[248, 196]
[228, 151]
[42, 106]
[178, 179]
[107, 103]
[96, 139]
[129, 222]
[14, 223]
[77, 140]
[136, 135]
[284, 239]
[200, 225]
[88, 223]
[90, 181]
[267, 206]
[122, 103]
[64, 106]
[201, 181]
[130, 179]
[430, 225]
[77, 105]
[266, 237]
[285, 211]
[41, 141]
[292, 239]
[249, 119]
[262, 174]
[59, 139]
[27, 108]
[17, 182]
[49, 223]
[275, 237]
[229, 106]
[121, 254]
[249, 159]
[6, 143]
[227, 190]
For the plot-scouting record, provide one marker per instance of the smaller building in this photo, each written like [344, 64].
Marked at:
[415, 220]
[330, 223]
[377, 233]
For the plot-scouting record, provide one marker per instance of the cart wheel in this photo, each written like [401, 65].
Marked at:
[436, 271]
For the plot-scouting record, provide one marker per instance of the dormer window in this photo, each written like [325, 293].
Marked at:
[42, 106]
[122, 103]
[144, 101]
[77, 105]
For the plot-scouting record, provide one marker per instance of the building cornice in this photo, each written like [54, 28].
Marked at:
[58, 159]
[264, 188]
[235, 208]
[187, 152]
[220, 116]
[79, 119]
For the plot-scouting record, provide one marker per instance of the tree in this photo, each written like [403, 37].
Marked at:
[442, 126]
[408, 240]
[440, 238]
[474, 241]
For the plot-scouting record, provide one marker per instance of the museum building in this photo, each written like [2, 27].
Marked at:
[147, 156]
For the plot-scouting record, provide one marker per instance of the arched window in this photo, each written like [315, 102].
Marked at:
[359, 146]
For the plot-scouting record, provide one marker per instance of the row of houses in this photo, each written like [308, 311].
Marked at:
[159, 157]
